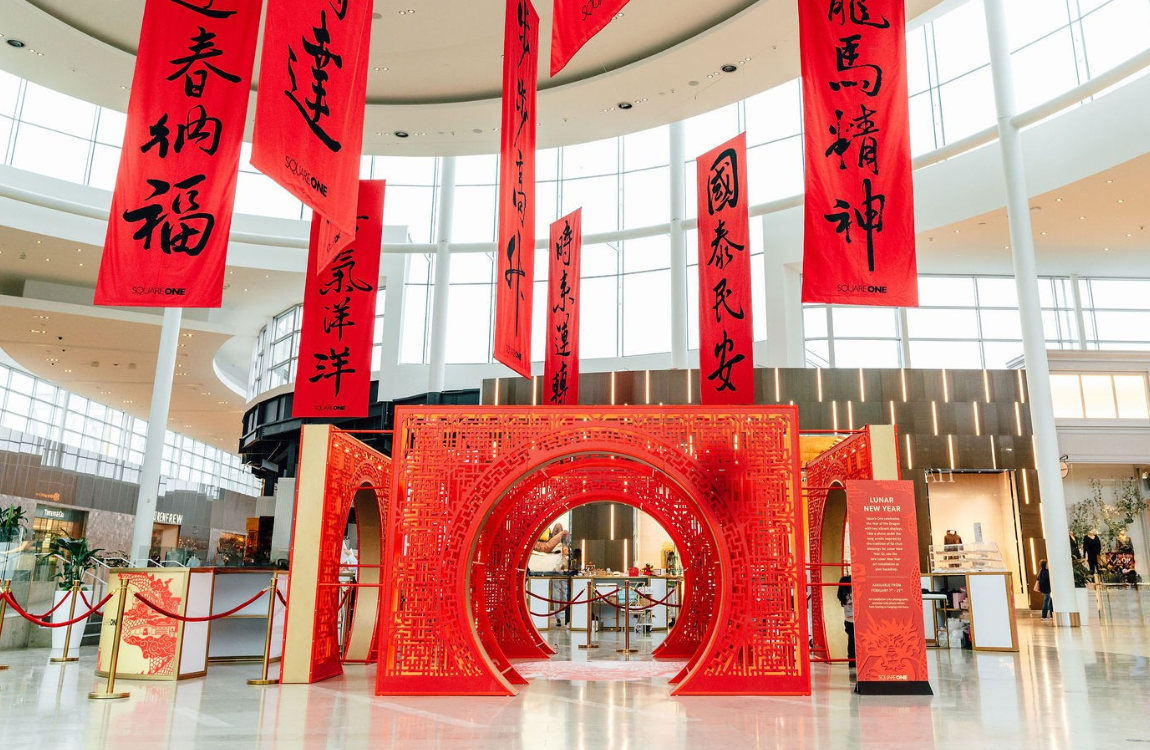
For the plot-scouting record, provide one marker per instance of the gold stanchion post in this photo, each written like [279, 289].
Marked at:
[110, 689]
[591, 594]
[68, 633]
[5, 588]
[626, 620]
[263, 680]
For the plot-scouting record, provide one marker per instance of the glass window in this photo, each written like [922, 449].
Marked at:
[864, 322]
[1044, 69]
[775, 170]
[709, 130]
[110, 127]
[646, 313]
[873, 353]
[1066, 393]
[598, 332]
[945, 354]
[56, 111]
[599, 199]
[404, 170]
[941, 324]
[647, 254]
[590, 159]
[1098, 396]
[646, 198]
[649, 148]
[50, 153]
[477, 170]
[468, 323]
[411, 207]
[997, 292]
[1027, 20]
[946, 291]
[774, 114]
[1130, 393]
[967, 104]
[9, 93]
[960, 43]
[1114, 33]
[474, 216]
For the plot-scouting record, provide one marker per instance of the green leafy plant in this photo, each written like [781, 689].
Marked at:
[1081, 573]
[10, 520]
[78, 560]
[1111, 519]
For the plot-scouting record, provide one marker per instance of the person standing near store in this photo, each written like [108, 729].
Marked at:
[846, 598]
[1092, 548]
[1042, 586]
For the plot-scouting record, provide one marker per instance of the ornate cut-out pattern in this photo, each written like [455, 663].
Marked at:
[454, 466]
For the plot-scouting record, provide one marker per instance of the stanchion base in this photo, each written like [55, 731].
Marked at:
[263, 682]
[626, 650]
[589, 645]
[3, 667]
[106, 696]
[63, 659]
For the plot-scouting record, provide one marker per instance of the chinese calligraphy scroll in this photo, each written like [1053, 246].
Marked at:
[333, 378]
[309, 108]
[859, 242]
[516, 247]
[726, 336]
[574, 23]
[171, 214]
[561, 364]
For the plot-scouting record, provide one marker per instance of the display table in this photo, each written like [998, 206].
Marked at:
[986, 609]
[156, 647]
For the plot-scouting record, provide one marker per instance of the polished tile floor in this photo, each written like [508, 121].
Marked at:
[1085, 688]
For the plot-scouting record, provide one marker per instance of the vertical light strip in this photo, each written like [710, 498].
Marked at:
[648, 379]
[892, 418]
[950, 449]
[850, 415]
[862, 387]
[778, 389]
[834, 415]
[583, 551]
[497, 392]
[1025, 487]
[1018, 418]
[945, 389]
[688, 385]
[819, 382]
[934, 416]
[902, 375]
[535, 391]
[986, 385]
[977, 424]
[626, 562]
[909, 457]
[1021, 387]
[612, 511]
[612, 389]
[1033, 558]
[993, 452]
[1034, 450]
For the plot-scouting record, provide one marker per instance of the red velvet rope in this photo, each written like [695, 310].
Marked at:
[561, 609]
[155, 608]
[59, 604]
[565, 601]
[36, 620]
[89, 604]
[281, 597]
[662, 601]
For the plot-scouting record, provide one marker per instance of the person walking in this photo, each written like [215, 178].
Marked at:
[1042, 586]
[846, 599]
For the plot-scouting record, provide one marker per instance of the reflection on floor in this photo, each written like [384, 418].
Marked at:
[1085, 688]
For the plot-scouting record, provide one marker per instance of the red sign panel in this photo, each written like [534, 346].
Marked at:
[890, 644]
[859, 242]
[309, 108]
[561, 364]
[167, 238]
[333, 378]
[574, 23]
[726, 335]
[513, 296]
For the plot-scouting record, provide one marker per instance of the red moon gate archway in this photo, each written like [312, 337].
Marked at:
[453, 467]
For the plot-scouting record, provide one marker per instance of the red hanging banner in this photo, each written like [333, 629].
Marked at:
[333, 378]
[171, 214]
[859, 242]
[513, 298]
[574, 23]
[886, 588]
[309, 108]
[561, 364]
[726, 334]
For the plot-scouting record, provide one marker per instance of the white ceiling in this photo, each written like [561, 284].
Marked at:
[443, 64]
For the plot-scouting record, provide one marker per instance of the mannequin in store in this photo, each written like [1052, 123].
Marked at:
[846, 599]
[952, 537]
[1075, 552]
[1123, 544]
[1123, 558]
[1092, 548]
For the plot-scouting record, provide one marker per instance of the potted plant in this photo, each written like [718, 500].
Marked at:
[76, 561]
[11, 538]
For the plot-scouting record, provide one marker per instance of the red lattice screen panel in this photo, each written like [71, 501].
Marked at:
[453, 467]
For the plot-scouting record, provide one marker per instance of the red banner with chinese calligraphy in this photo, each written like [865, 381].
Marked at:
[513, 297]
[726, 335]
[309, 108]
[561, 363]
[859, 242]
[886, 588]
[333, 377]
[167, 238]
[574, 23]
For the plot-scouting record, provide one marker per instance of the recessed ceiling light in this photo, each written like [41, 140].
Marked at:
[617, 16]
[376, 16]
[1105, 249]
[1082, 217]
[624, 105]
[401, 134]
[1057, 200]
[1121, 201]
[15, 43]
[728, 68]
[1128, 234]
[1044, 234]
[1109, 182]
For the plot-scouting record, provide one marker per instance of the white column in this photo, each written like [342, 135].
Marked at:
[393, 273]
[1033, 341]
[157, 429]
[679, 336]
[1079, 317]
[904, 336]
[438, 346]
[783, 286]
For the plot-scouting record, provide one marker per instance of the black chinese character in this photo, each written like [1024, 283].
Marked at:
[723, 183]
[564, 293]
[721, 246]
[559, 388]
[341, 314]
[202, 49]
[332, 365]
[868, 218]
[859, 13]
[314, 110]
[861, 129]
[341, 11]
[194, 226]
[846, 61]
[523, 17]
[515, 273]
[562, 338]
[723, 372]
[342, 280]
[721, 295]
[199, 129]
[204, 8]
[563, 246]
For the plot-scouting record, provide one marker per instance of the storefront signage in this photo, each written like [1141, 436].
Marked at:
[885, 582]
[574, 23]
[171, 212]
[726, 340]
[859, 228]
[49, 513]
[516, 248]
[561, 363]
[174, 519]
[309, 108]
[334, 371]
[59, 514]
